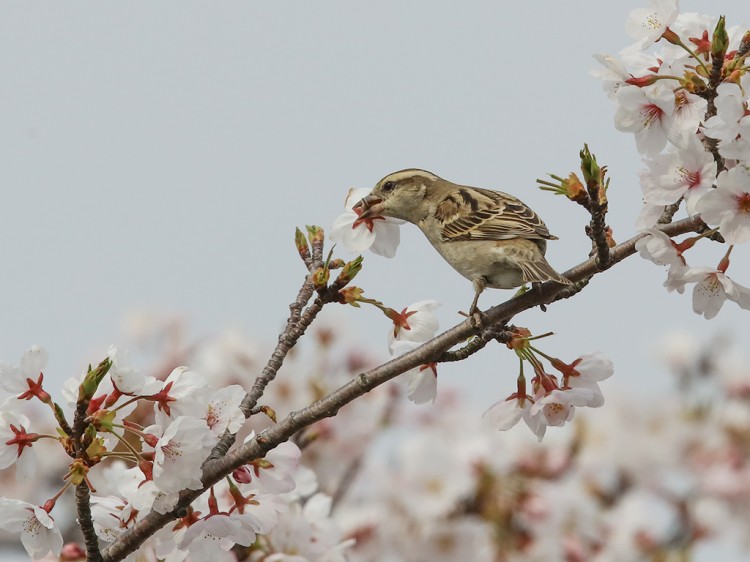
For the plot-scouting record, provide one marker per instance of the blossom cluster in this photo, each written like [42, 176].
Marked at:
[682, 90]
[651, 478]
[145, 441]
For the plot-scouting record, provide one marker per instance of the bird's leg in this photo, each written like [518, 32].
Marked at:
[477, 319]
[537, 287]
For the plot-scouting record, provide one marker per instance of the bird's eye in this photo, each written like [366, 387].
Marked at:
[389, 186]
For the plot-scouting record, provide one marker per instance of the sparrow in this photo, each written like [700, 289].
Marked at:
[489, 237]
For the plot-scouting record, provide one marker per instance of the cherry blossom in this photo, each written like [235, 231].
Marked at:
[16, 444]
[125, 378]
[713, 287]
[275, 472]
[416, 323]
[222, 413]
[180, 452]
[731, 124]
[558, 406]
[505, 414]
[688, 172]
[25, 377]
[308, 534]
[647, 112]
[381, 235]
[659, 248]
[729, 205]
[39, 535]
[183, 394]
[647, 25]
[422, 380]
[586, 372]
[648, 216]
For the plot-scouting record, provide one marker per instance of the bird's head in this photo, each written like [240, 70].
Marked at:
[400, 195]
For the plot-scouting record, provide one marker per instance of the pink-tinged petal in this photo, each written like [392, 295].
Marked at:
[387, 238]
[33, 362]
[422, 387]
[505, 414]
[708, 297]
[595, 366]
[648, 216]
[735, 292]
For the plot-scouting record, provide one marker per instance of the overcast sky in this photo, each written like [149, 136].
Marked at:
[160, 155]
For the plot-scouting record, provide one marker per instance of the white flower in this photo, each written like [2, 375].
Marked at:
[688, 172]
[381, 235]
[143, 494]
[712, 289]
[308, 534]
[415, 323]
[127, 379]
[647, 112]
[422, 383]
[184, 394]
[613, 75]
[729, 205]
[13, 378]
[14, 447]
[689, 109]
[275, 472]
[558, 406]
[731, 125]
[676, 278]
[39, 535]
[211, 537]
[223, 410]
[659, 248]
[111, 515]
[179, 454]
[647, 25]
[587, 372]
[649, 216]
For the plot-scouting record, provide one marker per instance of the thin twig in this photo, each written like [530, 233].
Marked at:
[83, 507]
[83, 494]
[296, 325]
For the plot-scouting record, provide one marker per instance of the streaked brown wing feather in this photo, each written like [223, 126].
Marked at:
[483, 214]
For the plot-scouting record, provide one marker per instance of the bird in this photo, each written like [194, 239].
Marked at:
[490, 237]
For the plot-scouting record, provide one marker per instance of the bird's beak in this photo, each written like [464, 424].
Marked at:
[370, 206]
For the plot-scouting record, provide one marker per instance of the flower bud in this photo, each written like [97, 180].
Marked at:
[302, 246]
[720, 40]
[92, 379]
[349, 271]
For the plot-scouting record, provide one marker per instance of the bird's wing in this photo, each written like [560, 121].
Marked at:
[471, 213]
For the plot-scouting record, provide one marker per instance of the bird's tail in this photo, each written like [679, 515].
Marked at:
[540, 271]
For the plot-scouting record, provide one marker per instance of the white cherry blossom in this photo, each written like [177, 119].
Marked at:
[647, 25]
[731, 125]
[39, 535]
[729, 205]
[179, 454]
[688, 172]
[422, 380]
[126, 378]
[713, 287]
[416, 323]
[13, 377]
[381, 235]
[659, 248]
[646, 112]
[13, 448]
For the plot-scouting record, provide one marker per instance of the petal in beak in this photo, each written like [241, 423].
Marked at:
[369, 207]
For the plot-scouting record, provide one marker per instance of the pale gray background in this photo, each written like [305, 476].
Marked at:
[161, 154]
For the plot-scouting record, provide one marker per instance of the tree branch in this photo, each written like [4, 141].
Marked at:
[329, 406]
